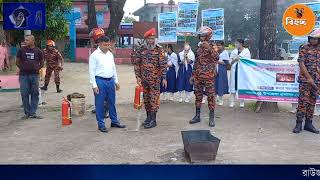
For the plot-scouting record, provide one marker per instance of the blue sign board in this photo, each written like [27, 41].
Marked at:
[24, 16]
[72, 17]
[214, 18]
[167, 26]
[100, 19]
[187, 17]
[315, 6]
[126, 26]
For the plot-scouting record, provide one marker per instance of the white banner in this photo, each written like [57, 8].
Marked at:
[263, 80]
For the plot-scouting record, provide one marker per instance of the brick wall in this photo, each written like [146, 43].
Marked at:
[122, 55]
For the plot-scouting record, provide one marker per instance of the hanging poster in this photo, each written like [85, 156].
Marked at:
[167, 26]
[187, 17]
[214, 18]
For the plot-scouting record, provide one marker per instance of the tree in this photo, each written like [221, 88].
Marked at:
[243, 21]
[1, 12]
[236, 24]
[128, 19]
[56, 24]
[267, 43]
[116, 12]
[92, 18]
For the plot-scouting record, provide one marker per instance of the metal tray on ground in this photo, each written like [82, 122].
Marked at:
[200, 145]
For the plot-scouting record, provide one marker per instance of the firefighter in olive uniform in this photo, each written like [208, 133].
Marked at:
[204, 74]
[309, 82]
[150, 66]
[54, 63]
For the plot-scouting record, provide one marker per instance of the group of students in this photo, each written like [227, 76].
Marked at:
[180, 67]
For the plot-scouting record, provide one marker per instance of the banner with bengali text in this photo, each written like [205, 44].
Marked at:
[264, 80]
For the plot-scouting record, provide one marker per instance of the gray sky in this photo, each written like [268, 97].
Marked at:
[133, 5]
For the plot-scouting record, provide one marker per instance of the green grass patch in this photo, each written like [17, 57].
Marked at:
[54, 109]
[252, 106]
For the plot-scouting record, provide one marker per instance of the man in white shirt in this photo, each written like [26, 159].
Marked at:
[104, 80]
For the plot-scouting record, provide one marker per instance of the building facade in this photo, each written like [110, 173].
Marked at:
[149, 12]
[102, 15]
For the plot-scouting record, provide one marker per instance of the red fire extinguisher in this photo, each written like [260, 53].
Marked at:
[138, 97]
[66, 112]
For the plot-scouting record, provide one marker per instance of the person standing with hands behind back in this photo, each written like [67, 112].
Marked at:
[29, 61]
[309, 82]
[54, 64]
[104, 80]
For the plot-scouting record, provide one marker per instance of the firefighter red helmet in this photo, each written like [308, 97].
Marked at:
[206, 32]
[315, 33]
[96, 33]
[150, 33]
[50, 43]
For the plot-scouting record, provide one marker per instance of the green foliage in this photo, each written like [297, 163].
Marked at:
[1, 11]
[252, 106]
[128, 19]
[54, 109]
[57, 25]
[236, 24]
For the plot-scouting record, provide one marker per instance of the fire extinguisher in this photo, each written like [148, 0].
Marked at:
[66, 112]
[138, 97]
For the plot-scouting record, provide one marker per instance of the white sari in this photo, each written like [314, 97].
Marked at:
[244, 54]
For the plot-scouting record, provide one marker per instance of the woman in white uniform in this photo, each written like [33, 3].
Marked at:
[172, 72]
[236, 54]
[185, 61]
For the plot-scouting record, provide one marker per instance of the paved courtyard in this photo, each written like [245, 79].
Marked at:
[246, 137]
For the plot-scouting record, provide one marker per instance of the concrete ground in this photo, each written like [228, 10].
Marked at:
[246, 137]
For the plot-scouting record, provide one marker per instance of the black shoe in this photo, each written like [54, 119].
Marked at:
[152, 121]
[118, 125]
[196, 118]
[147, 119]
[25, 117]
[58, 89]
[45, 87]
[93, 111]
[211, 119]
[298, 128]
[103, 129]
[308, 126]
[35, 117]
